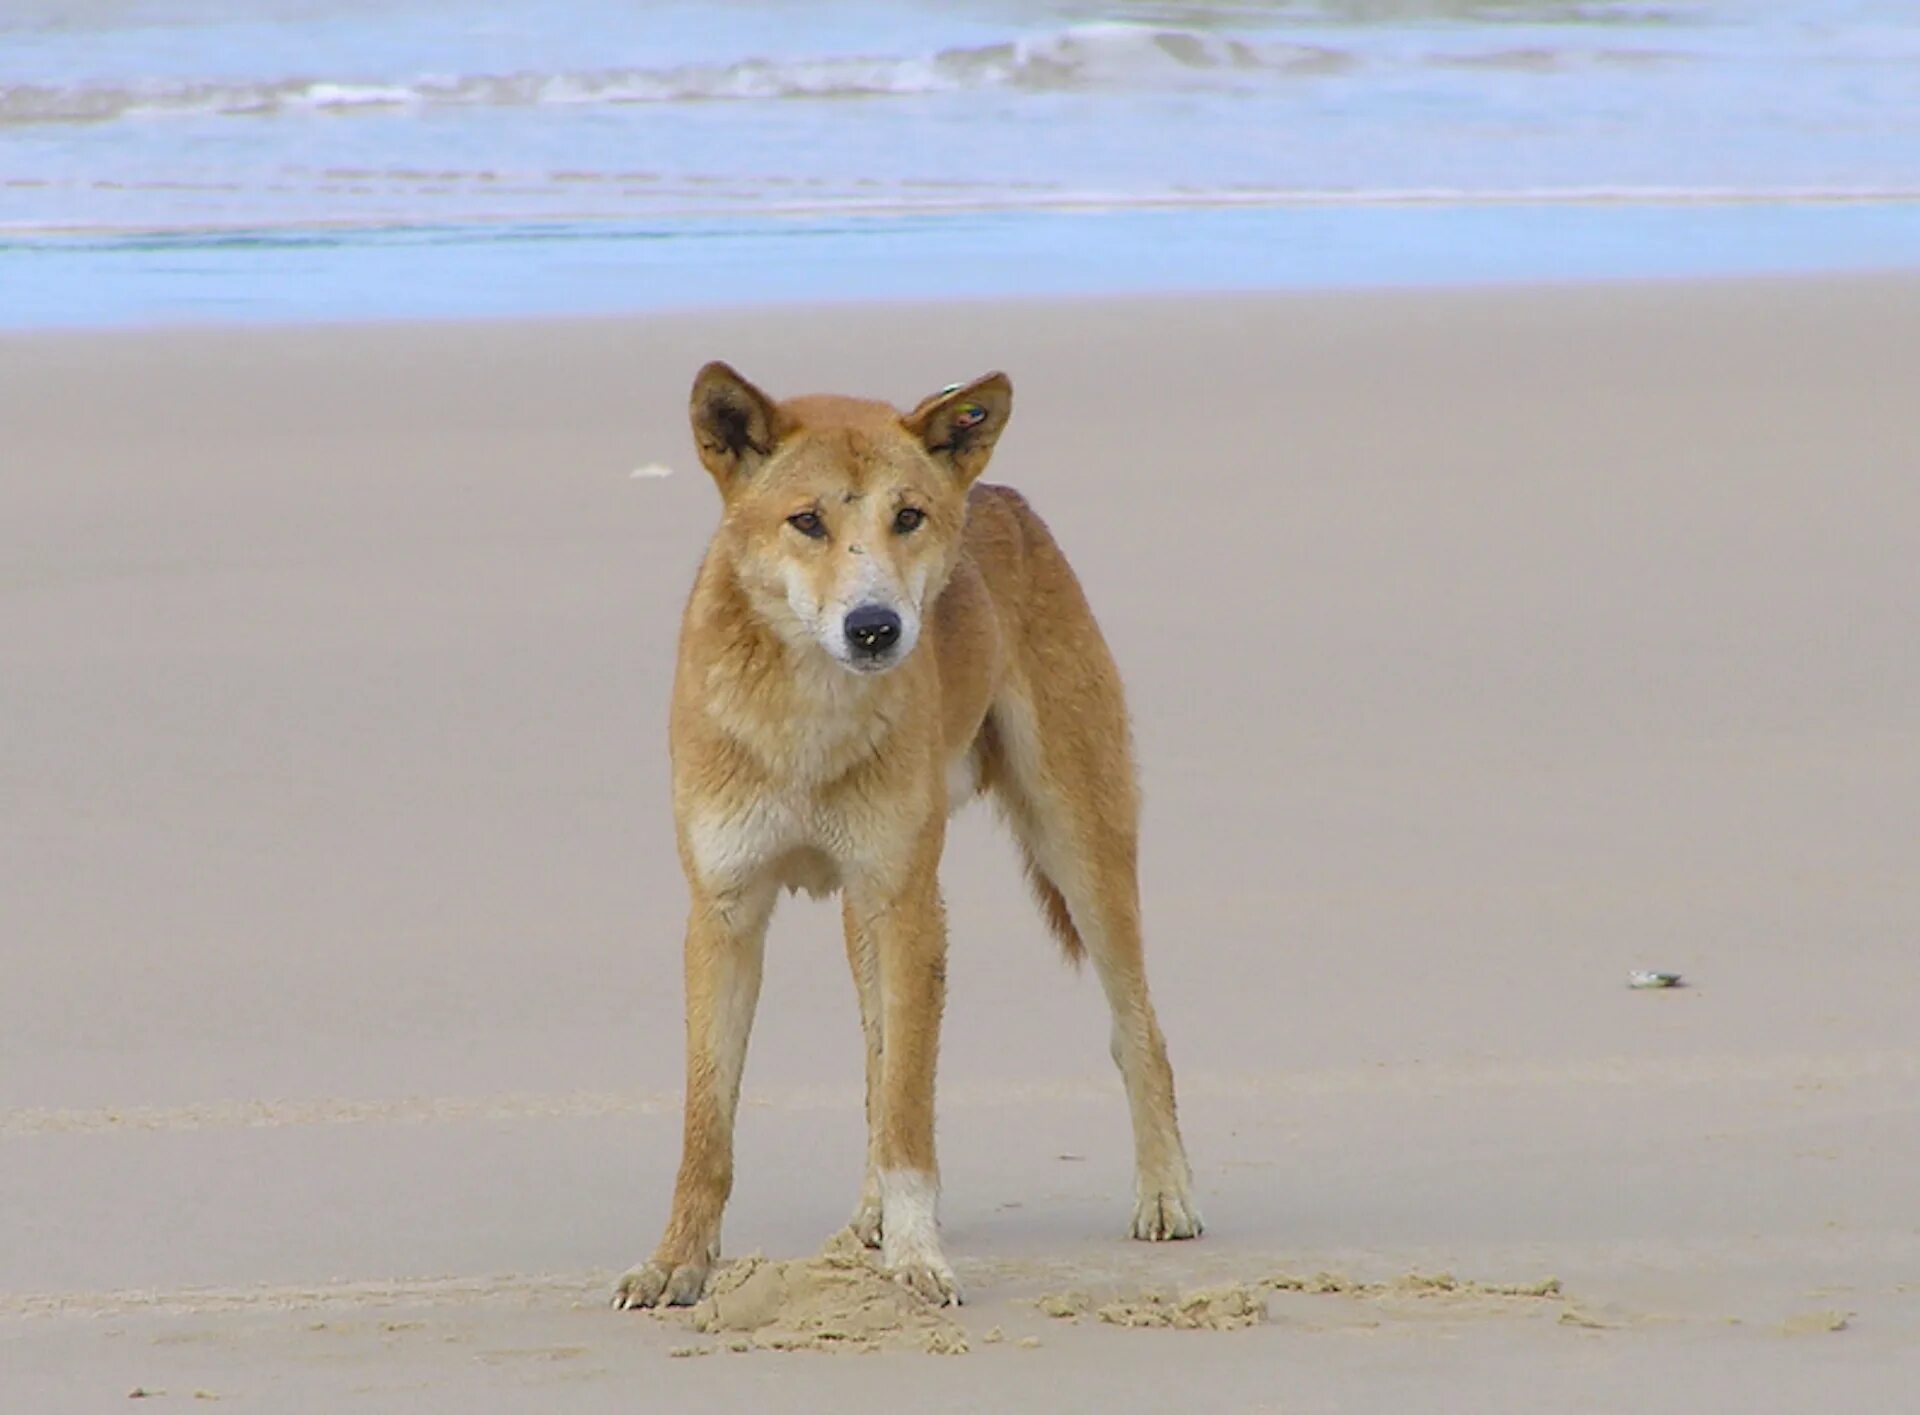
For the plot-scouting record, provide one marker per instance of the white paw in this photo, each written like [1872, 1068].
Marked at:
[1166, 1213]
[928, 1276]
[654, 1284]
[910, 1236]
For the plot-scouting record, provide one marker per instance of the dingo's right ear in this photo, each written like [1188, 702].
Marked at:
[735, 425]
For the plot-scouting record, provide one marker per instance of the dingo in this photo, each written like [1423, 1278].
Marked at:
[872, 640]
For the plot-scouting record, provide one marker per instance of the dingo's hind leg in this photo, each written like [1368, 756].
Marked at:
[1063, 773]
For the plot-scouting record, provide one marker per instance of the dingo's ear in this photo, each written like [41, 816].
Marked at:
[959, 425]
[735, 425]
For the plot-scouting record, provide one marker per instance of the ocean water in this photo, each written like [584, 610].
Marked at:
[166, 160]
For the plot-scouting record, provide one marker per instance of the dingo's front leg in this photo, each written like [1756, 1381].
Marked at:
[726, 938]
[906, 922]
[864, 960]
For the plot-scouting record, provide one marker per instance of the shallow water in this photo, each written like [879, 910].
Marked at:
[187, 158]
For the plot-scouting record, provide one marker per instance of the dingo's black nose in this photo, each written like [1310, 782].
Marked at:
[872, 630]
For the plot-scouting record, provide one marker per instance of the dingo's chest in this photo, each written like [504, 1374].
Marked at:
[789, 840]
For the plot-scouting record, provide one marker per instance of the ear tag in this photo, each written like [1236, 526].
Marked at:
[968, 415]
[951, 388]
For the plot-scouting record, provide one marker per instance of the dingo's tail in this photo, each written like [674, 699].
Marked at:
[1053, 908]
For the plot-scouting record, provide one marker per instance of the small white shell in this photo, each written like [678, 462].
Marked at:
[653, 471]
[1647, 978]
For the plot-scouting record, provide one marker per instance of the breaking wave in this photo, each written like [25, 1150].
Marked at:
[1080, 58]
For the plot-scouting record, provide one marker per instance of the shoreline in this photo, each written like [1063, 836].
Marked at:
[888, 311]
[538, 269]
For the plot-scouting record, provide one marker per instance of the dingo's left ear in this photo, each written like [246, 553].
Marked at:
[959, 425]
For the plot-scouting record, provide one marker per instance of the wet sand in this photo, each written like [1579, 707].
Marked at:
[1482, 647]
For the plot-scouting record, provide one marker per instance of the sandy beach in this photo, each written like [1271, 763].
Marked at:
[1482, 646]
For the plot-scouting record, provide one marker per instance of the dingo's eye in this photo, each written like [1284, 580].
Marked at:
[808, 524]
[908, 519]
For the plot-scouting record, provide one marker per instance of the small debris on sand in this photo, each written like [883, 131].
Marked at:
[1319, 1282]
[1545, 1287]
[1414, 1285]
[1225, 1308]
[1243, 1304]
[1221, 1308]
[1814, 1323]
[1065, 1304]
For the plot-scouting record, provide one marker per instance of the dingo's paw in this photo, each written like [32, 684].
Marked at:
[1164, 1214]
[654, 1284]
[865, 1222]
[910, 1236]
[927, 1276]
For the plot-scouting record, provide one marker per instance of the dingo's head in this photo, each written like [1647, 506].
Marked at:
[843, 517]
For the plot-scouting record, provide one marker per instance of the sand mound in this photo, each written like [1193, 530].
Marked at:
[839, 1301]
